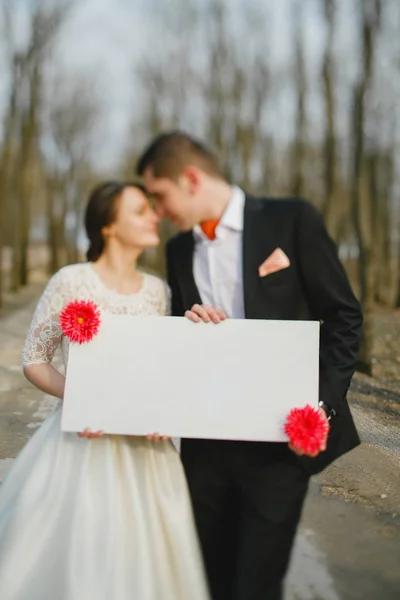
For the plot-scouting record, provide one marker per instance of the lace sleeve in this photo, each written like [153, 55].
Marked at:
[168, 301]
[45, 333]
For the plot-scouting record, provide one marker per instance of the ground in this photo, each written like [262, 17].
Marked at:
[348, 545]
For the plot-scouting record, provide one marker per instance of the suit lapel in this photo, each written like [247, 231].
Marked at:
[190, 293]
[259, 241]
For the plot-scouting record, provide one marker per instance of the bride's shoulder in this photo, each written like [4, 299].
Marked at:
[70, 274]
[65, 283]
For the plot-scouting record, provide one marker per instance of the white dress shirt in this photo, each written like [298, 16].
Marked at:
[218, 265]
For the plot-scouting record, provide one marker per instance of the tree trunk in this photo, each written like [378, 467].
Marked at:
[330, 207]
[362, 192]
[384, 175]
[366, 266]
[25, 227]
[16, 251]
[300, 126]
[52, 241]
[28, 146]
[6, 161]
[1, 252]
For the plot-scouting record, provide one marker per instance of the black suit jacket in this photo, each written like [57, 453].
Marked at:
[314, 287]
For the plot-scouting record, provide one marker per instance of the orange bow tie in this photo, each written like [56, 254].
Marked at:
[209, 228]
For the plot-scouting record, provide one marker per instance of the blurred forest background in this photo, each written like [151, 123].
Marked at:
[298, 97]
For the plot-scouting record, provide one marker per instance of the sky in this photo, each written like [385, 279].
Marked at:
[105, 41]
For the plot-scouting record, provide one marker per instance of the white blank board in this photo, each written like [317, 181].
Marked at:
[237, 380]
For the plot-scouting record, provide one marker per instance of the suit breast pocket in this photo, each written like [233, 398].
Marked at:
[282, 277]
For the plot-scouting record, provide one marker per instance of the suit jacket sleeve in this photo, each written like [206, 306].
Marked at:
[177, 309]
[330, 295]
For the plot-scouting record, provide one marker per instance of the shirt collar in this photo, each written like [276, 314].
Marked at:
[233, 215]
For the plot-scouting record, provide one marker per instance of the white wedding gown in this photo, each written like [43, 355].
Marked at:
[102, 519]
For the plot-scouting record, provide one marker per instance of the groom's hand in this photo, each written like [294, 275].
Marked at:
[300, 452]
[206, 313]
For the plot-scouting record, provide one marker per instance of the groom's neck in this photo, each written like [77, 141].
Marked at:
[216, 198]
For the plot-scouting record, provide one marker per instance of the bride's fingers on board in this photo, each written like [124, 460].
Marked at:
[154, 437]
[97, 434]
[85, 433]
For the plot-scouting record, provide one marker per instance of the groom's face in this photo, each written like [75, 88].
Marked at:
[176, 200]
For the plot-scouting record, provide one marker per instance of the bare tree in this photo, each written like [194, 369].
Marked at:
[362, 191]
[70, 118]
[301, 87]
[25, 185]
[9, 137]
[330, 159]
[215, 84]
[166, 79]
[382, 174]
[20, 148]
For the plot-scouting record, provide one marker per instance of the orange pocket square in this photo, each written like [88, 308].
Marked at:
[275, 262]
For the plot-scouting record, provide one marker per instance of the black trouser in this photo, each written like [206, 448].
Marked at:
[247, 499]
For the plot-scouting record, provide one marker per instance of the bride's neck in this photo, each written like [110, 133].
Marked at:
[119, 265]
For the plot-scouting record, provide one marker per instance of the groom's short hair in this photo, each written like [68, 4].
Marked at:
[170, 153]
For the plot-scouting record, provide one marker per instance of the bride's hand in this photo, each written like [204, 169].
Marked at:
[206, 313]
[156, 437]
[91, 434]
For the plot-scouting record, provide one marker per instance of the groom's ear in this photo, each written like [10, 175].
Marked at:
[193, 177]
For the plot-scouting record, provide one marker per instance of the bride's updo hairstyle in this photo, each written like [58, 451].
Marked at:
[101, 211]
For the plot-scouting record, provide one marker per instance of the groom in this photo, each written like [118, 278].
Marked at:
[253, 258]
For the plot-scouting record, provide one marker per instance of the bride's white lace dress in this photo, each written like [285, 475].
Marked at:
[102, 519]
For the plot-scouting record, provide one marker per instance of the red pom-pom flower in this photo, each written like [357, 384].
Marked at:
[306, 429]
[80, 320]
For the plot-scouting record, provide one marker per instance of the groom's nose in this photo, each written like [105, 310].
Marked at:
[155, 216]
[160, 210]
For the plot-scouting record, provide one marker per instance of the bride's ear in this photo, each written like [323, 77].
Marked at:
[106, 232]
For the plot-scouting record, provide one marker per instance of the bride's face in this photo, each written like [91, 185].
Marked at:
[136, 223]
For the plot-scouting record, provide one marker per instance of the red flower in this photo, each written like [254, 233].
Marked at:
[306, 429]
[80, 320]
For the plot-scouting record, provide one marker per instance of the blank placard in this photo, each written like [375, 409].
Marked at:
[237, 380]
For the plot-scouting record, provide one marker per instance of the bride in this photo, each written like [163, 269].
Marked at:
[98, 517]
